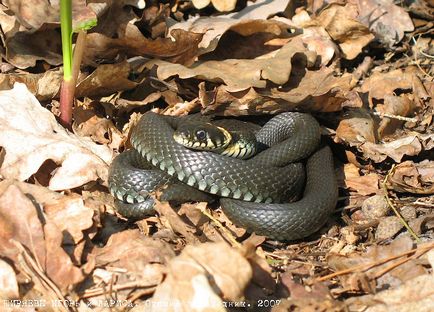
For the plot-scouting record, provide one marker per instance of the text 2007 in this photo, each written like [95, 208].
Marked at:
[268, 303]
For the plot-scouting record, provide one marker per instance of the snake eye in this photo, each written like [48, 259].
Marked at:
[201, 135]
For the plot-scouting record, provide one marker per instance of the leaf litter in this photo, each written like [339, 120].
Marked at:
[363, 68]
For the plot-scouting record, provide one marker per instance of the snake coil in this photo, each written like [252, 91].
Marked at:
[256, 193]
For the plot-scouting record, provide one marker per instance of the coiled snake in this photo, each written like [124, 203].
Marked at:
[255, 193]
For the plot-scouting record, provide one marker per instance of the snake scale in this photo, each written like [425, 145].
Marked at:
[261, 194]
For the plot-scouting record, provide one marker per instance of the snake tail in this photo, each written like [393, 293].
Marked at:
[295, 220]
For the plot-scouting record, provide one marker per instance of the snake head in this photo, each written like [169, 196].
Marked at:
[202, 136]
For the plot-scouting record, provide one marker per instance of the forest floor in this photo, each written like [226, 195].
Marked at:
[364, 69]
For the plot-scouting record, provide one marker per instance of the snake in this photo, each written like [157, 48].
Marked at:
[285, 192]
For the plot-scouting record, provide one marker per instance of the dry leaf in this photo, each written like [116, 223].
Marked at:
[59, 266]
[43, 86]
[252, 19]
[88, 123]
[415, 294]
[350, 35]
[27, 229]
[42, 240]
[182, 48]
[394, 105]
[375, 253]
[363, 184]
[70, 214]
[356, 127]
[30, 135]
[315, 298]
[142, 257]
[386, 19]
[410, 145]
[417, 178]
[34, 30]
[239, 74]
[200, 277]
[329, 95]
[380, 84]
[105, 80]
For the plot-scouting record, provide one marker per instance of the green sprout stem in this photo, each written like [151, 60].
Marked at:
[67, 88]
[66, 30]
[71, 59]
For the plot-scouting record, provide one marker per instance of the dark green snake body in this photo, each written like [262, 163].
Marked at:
[257, 192]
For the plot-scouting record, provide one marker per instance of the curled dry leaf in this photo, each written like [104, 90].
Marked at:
[386, 19]
[356, 127]
[345, 30]
[31, 135]
[414, 295]
[239, 74]
[181, 49]
[394, 105]
[380, 84]
[422, 224]
[363, 184]
[70, 215]
[417, 178]
[142, 257]
[315, 91]
[26, 229]
[252, 19]
[67, 212]
[44, 86]
[200, 277]
[302, 298]
[88, 123]
[395, 277]
[410, 145]
[317, 39]
[42, 240]
[176, 223]
[35, 42]
[33, 14]
[38, 42]
[59, 266]
[105, 80]
[34, 30]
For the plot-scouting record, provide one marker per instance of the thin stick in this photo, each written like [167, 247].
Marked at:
[364, 267]
[398, 117]
[219, 225]
[101, 291]
[416, 61]
[420, 50]
[79, 48]
[398, 263]
[389, 202]
[34, 267]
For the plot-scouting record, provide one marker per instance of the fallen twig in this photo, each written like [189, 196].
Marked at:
[229, 236]
[367, 266]
[391, 205]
